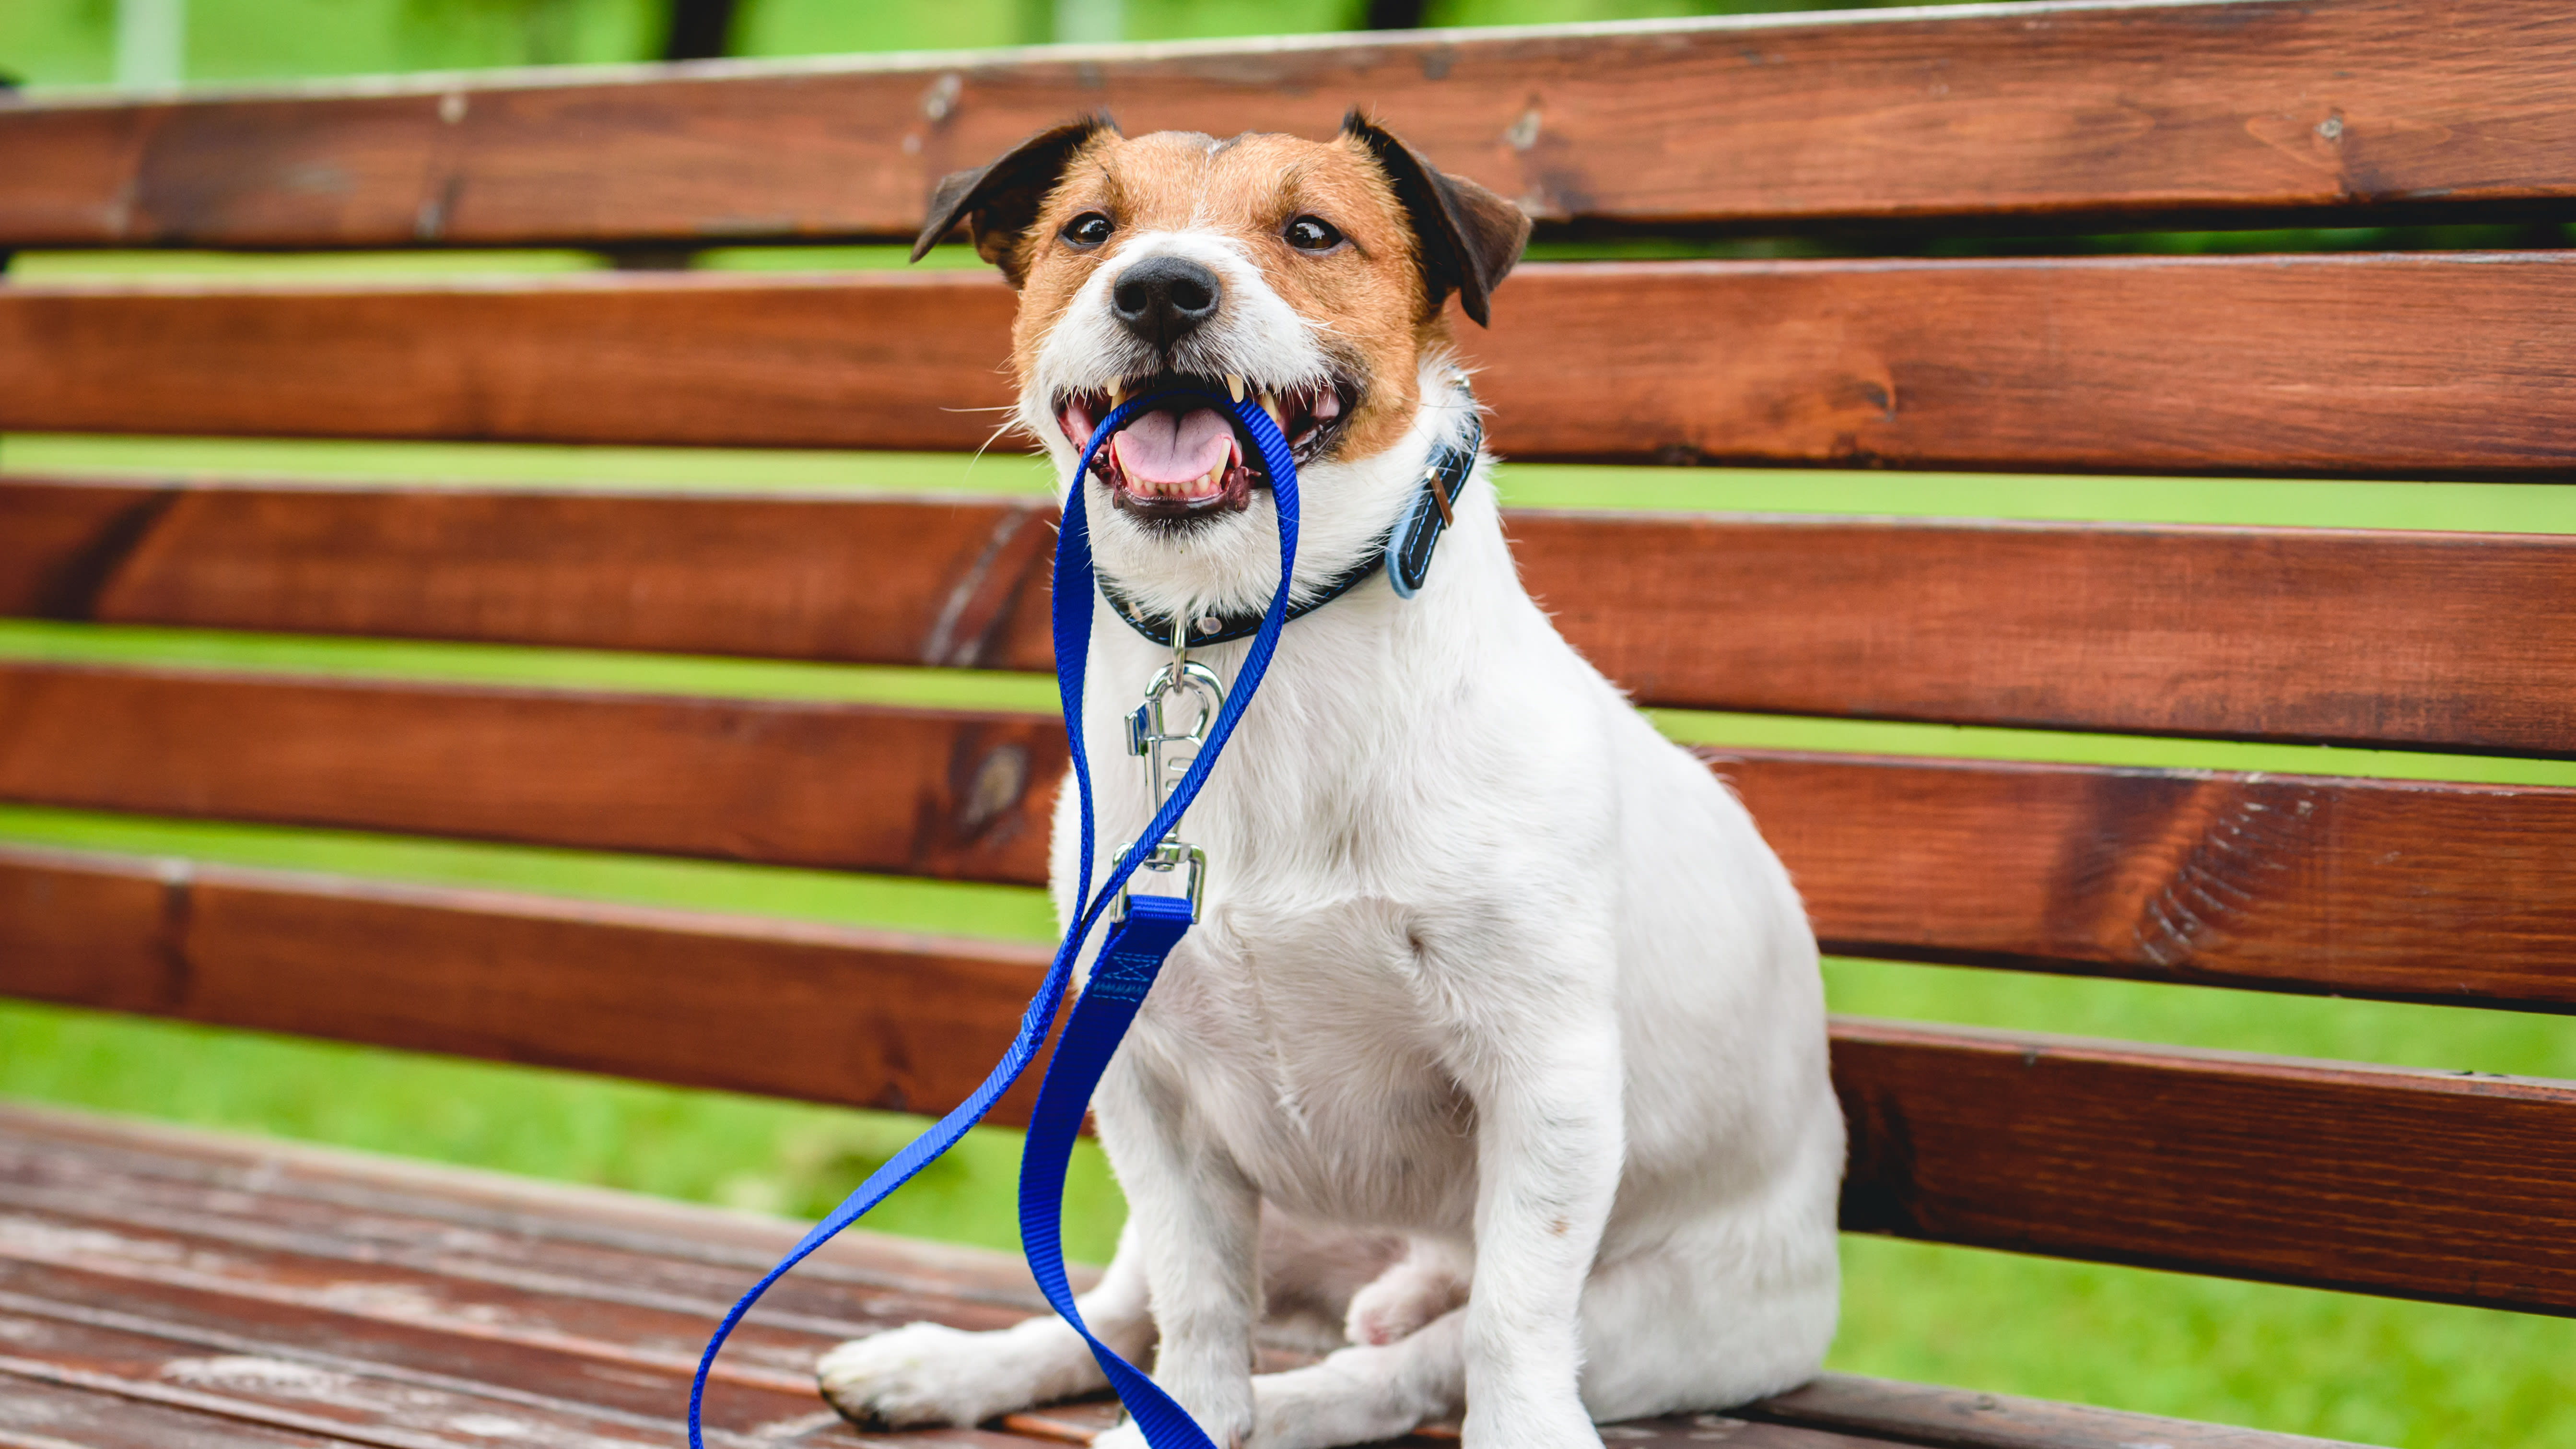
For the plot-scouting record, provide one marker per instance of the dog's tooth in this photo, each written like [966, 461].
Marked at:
[1117, 393]
[1234, 385]
[1270, 405]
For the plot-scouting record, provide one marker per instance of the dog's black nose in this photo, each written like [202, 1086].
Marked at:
[1164, 299]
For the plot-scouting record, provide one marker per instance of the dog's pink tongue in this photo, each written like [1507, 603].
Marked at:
[1173, 449]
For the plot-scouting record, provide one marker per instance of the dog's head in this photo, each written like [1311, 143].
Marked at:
[1309, 274]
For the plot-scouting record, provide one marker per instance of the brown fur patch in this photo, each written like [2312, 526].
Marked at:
[1369, 291]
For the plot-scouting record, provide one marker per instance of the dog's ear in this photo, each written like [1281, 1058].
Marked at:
[1469, 237]
[1000, 201]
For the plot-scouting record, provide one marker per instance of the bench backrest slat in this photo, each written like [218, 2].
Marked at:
[2038, 113]
[2421, 640]
[2443, 365]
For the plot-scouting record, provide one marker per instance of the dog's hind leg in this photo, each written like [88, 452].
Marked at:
[929, 1373]
[1366, 1394]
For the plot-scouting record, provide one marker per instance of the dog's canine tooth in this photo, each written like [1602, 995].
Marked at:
[1117, 393]
[1270, 405]
[1234, 385]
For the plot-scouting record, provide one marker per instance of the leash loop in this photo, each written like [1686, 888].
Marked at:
[1142, 935]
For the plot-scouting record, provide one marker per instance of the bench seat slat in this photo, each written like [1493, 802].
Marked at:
[2443, 641]
[362, 1197]
[2346, 106]
[36, 1412]
[2443, 364]
[2458, 893]
[2417, 1184]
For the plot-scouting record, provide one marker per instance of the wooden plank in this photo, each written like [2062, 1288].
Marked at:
[2395, 889]
[306, 1328]
[950, 793]
[863, 1018]
[861, 580]
[2454, 1187]
[69, 1146]
[566, 1333]
[2402, 890]
[2345, 106]
[338, 1399]
[261, 1177]
[2444, 1186]
[2444, 364]
[1962, 1419]
[108, 1196]
[40, 1415]
[2445, 641]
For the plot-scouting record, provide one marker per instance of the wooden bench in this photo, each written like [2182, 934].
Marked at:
[161, 1288]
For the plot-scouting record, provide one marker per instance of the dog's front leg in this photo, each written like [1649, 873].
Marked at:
[1545, 1076]
[1198, 1221]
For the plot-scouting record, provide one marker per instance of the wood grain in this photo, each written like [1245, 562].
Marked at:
[2446, 1186]
[851, 787]
[859, 1017]
[40, 1415]
[2440, 641]
[2394, 889]
[1961, 1419]
[2342, 107]
[860, 580]
[2434, 365]
[2419, 1184]
[359, 1197]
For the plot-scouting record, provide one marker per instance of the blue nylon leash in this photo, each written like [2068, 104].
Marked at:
[1129, 960]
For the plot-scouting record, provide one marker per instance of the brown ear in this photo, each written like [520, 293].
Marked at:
[1469, 237]
[1000, 201]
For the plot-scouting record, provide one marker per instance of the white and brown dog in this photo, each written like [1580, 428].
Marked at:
[1501, 1037]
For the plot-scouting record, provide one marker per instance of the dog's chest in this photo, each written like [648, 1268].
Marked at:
[1300, 1041]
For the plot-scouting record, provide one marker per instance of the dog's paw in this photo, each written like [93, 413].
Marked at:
[1400, 1301]
[923, 1373]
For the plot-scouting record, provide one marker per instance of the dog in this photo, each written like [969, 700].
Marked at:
[1501, 1037]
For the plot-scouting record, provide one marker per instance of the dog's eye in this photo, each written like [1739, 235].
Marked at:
[1088, 230]
[1313, 234]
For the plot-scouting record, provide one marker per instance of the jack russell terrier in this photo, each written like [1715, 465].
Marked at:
[1501, 1040]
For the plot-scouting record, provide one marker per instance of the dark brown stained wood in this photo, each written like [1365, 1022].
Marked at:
[2419, 1184]
[2393, 889]
[70, 1185]
[2382, 888]
[864, 1018]
[113, 1157]
[39, 1415]
[951, 793]
[215, 1322]
[1756, 122]
[2455, 1187]
[2442, 364]
[58, 545]
[2445, 641]
[296, 1394]
[565, 1332]
[1960, 1419]
[893, 360]
[57, 1145]
[876, 580]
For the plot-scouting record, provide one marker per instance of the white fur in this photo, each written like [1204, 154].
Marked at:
[1486, 963]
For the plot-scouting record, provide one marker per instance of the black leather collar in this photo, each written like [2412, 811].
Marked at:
[1404, 552]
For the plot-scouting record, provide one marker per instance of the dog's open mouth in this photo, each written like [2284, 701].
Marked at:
[1184, 459]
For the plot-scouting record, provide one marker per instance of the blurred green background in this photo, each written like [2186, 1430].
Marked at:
[2342, 1366]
